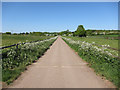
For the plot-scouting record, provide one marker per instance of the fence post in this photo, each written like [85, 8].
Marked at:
[17, 46]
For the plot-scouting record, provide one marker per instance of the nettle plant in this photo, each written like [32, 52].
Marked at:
[24, 54]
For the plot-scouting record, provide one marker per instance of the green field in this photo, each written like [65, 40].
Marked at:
[14, 39]
[99, 41]
[107, 35]
[112, 37]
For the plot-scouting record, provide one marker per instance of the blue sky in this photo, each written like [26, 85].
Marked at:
[58, 16]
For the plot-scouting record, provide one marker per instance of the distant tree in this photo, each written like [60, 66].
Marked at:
[14, 33]
[26, 33]
[30, 32]
[8, 33]
[22, 33]
[38, 33]
[67, 32]
[81, 32]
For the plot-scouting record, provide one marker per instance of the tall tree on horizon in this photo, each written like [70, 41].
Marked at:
[81, 32]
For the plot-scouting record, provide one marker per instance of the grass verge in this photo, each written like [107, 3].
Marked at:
[15, 60]
[103, 64]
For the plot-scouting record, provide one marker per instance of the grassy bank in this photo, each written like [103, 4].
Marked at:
[100, 59]
[15, 60]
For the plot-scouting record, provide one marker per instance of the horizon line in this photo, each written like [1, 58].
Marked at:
[63, 30]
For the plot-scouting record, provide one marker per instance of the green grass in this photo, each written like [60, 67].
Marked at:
[110, 37]
[107, 35]
[10, 75]
[14, 39]
[99, 41]
[103, 64]
[15, 60]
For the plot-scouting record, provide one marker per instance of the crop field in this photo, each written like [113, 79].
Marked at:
[101, 59]
[14, 39]
[15, 59]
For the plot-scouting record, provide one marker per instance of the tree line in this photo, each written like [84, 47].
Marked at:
[80, 32]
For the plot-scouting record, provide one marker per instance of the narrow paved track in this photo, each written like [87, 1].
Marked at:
[60, 67]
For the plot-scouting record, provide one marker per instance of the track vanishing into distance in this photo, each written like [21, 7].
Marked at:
[60, 67]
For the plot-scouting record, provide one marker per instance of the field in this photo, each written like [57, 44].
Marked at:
[14, 39]
[99, 41]
[101, 59]
[107, 35]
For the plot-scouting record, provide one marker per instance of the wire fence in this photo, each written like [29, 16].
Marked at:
[111, 49]
[19, 44]
[45, 39]
[108, 47]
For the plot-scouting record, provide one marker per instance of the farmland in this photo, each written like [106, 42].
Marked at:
[107, 35]
[100, 58]
[13, 39]
[98, 40]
